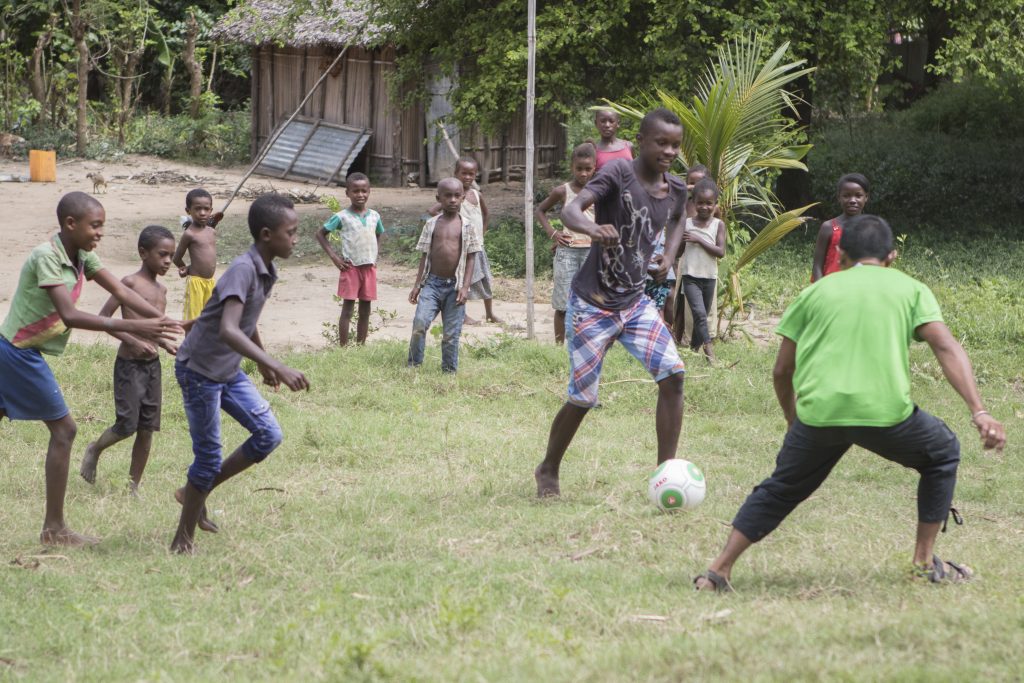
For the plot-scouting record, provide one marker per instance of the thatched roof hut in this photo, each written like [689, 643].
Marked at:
[290, 53]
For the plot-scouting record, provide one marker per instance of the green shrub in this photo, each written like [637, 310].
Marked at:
[973, 110]
[921, 178]
[507, 253]
[216, 137]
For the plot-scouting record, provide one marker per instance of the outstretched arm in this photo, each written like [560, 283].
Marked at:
[782, 378]
[157, 329]
[133, 342]
[956, 366]
[232, 335]
[127, 296]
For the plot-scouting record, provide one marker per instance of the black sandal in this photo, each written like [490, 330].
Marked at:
[944, 572]
[720, 583]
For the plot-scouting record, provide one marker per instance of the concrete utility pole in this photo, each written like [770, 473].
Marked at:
[531, 86]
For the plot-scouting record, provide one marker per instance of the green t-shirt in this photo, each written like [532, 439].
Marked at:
[32, 322]
[853, 331]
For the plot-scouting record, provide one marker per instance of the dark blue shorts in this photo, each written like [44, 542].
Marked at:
[28, 389]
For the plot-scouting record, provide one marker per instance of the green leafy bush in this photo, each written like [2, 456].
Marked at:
[922, 178]
[506, 249]
[974, 110]
[215, 137]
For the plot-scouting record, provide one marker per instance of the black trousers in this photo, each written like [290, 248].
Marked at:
[699, 293]
[922, 442]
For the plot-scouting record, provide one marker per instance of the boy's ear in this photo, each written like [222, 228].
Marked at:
[265, 233]
[890, 258]
[844, 260]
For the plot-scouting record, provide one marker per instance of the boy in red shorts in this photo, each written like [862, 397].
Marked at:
[358, 230]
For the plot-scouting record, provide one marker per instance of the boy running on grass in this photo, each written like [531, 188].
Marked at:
[358, 229]
[200, 241]
[137, 381]
[208, 366]
[449, 245]
[842, 378]
[40, 321]
[633, 201]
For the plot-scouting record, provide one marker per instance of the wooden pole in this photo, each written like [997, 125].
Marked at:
[531, 67]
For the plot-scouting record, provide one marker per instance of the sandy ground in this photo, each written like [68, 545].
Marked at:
[301, 302]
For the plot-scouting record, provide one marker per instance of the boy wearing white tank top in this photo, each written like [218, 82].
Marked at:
[570, 247]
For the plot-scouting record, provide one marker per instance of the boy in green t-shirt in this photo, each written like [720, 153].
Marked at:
[842, 378]
[39, 321]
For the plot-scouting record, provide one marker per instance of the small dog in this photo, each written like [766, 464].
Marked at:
[7, 143]
[98, 181]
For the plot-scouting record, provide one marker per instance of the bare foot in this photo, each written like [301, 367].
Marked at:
[88, 469]
[470, 321]
[547, 485]
[66, 537]
[205, 523]
[183, 546]
[495, 319]
[133, 489]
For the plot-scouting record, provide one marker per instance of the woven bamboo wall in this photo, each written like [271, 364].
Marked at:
[356, 93]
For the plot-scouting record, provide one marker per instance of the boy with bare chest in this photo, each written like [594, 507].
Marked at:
[448, 244]
[137, 377]
[200, 241]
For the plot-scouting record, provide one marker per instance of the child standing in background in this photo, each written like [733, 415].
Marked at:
[852, 191]
[200, 241]
[571, 247]
[358, 229]
[704, 244]
[448, 245]
[137, 377]
[610, 146]
[660, 292]
[474, 212]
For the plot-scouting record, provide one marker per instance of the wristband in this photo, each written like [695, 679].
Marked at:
[980, 412]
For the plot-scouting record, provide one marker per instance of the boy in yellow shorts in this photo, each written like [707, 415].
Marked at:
[200, 241]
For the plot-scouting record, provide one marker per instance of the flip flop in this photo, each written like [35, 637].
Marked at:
[944, 572]
[720, 583]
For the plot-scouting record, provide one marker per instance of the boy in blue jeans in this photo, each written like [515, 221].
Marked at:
[448, 244]
[208, 366]
[40, 320]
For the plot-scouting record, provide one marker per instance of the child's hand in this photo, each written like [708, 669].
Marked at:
[414, 295]
[141, 347]
[991, 430]
[562, 239]
[606, 234]
[291, 378]
[157, 329]
[462, 295]
[660, 272]
[270, 377]
[169, 348]
[183, 271]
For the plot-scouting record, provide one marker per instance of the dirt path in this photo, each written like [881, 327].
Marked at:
[301, 303]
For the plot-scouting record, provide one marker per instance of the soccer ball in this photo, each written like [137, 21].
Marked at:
[676, 484]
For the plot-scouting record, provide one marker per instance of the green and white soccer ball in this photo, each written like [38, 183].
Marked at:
[677, 484]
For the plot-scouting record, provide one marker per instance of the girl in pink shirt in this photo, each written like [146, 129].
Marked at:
[609, 146]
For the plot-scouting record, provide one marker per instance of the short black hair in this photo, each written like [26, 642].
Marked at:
[152, 235]
[196, 194]
[704, 185]
[866, 236]
[75, 204]
[697, 168]
[856, 179]
[268, 212]
[660, 114]
[584, 150]
[356, 177]
[467, 160]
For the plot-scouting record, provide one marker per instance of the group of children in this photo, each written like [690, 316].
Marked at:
[841, 376]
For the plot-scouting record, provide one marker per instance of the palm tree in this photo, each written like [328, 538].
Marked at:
[736, 126]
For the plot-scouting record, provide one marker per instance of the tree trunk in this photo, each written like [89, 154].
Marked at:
[37, 82]
[195, 69]
[78, 30]
[126, 94]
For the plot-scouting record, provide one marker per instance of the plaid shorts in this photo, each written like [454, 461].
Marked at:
[591, 331]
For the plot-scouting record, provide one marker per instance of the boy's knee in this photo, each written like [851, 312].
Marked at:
[64, 430]
[264, 441]
[672, 384]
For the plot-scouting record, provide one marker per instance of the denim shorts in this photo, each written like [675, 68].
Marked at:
[204, 398]
[28, 389]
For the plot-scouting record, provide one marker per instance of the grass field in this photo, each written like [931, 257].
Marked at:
[395, 534]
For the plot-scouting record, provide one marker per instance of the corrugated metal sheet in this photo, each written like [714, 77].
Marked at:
[314, 150]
